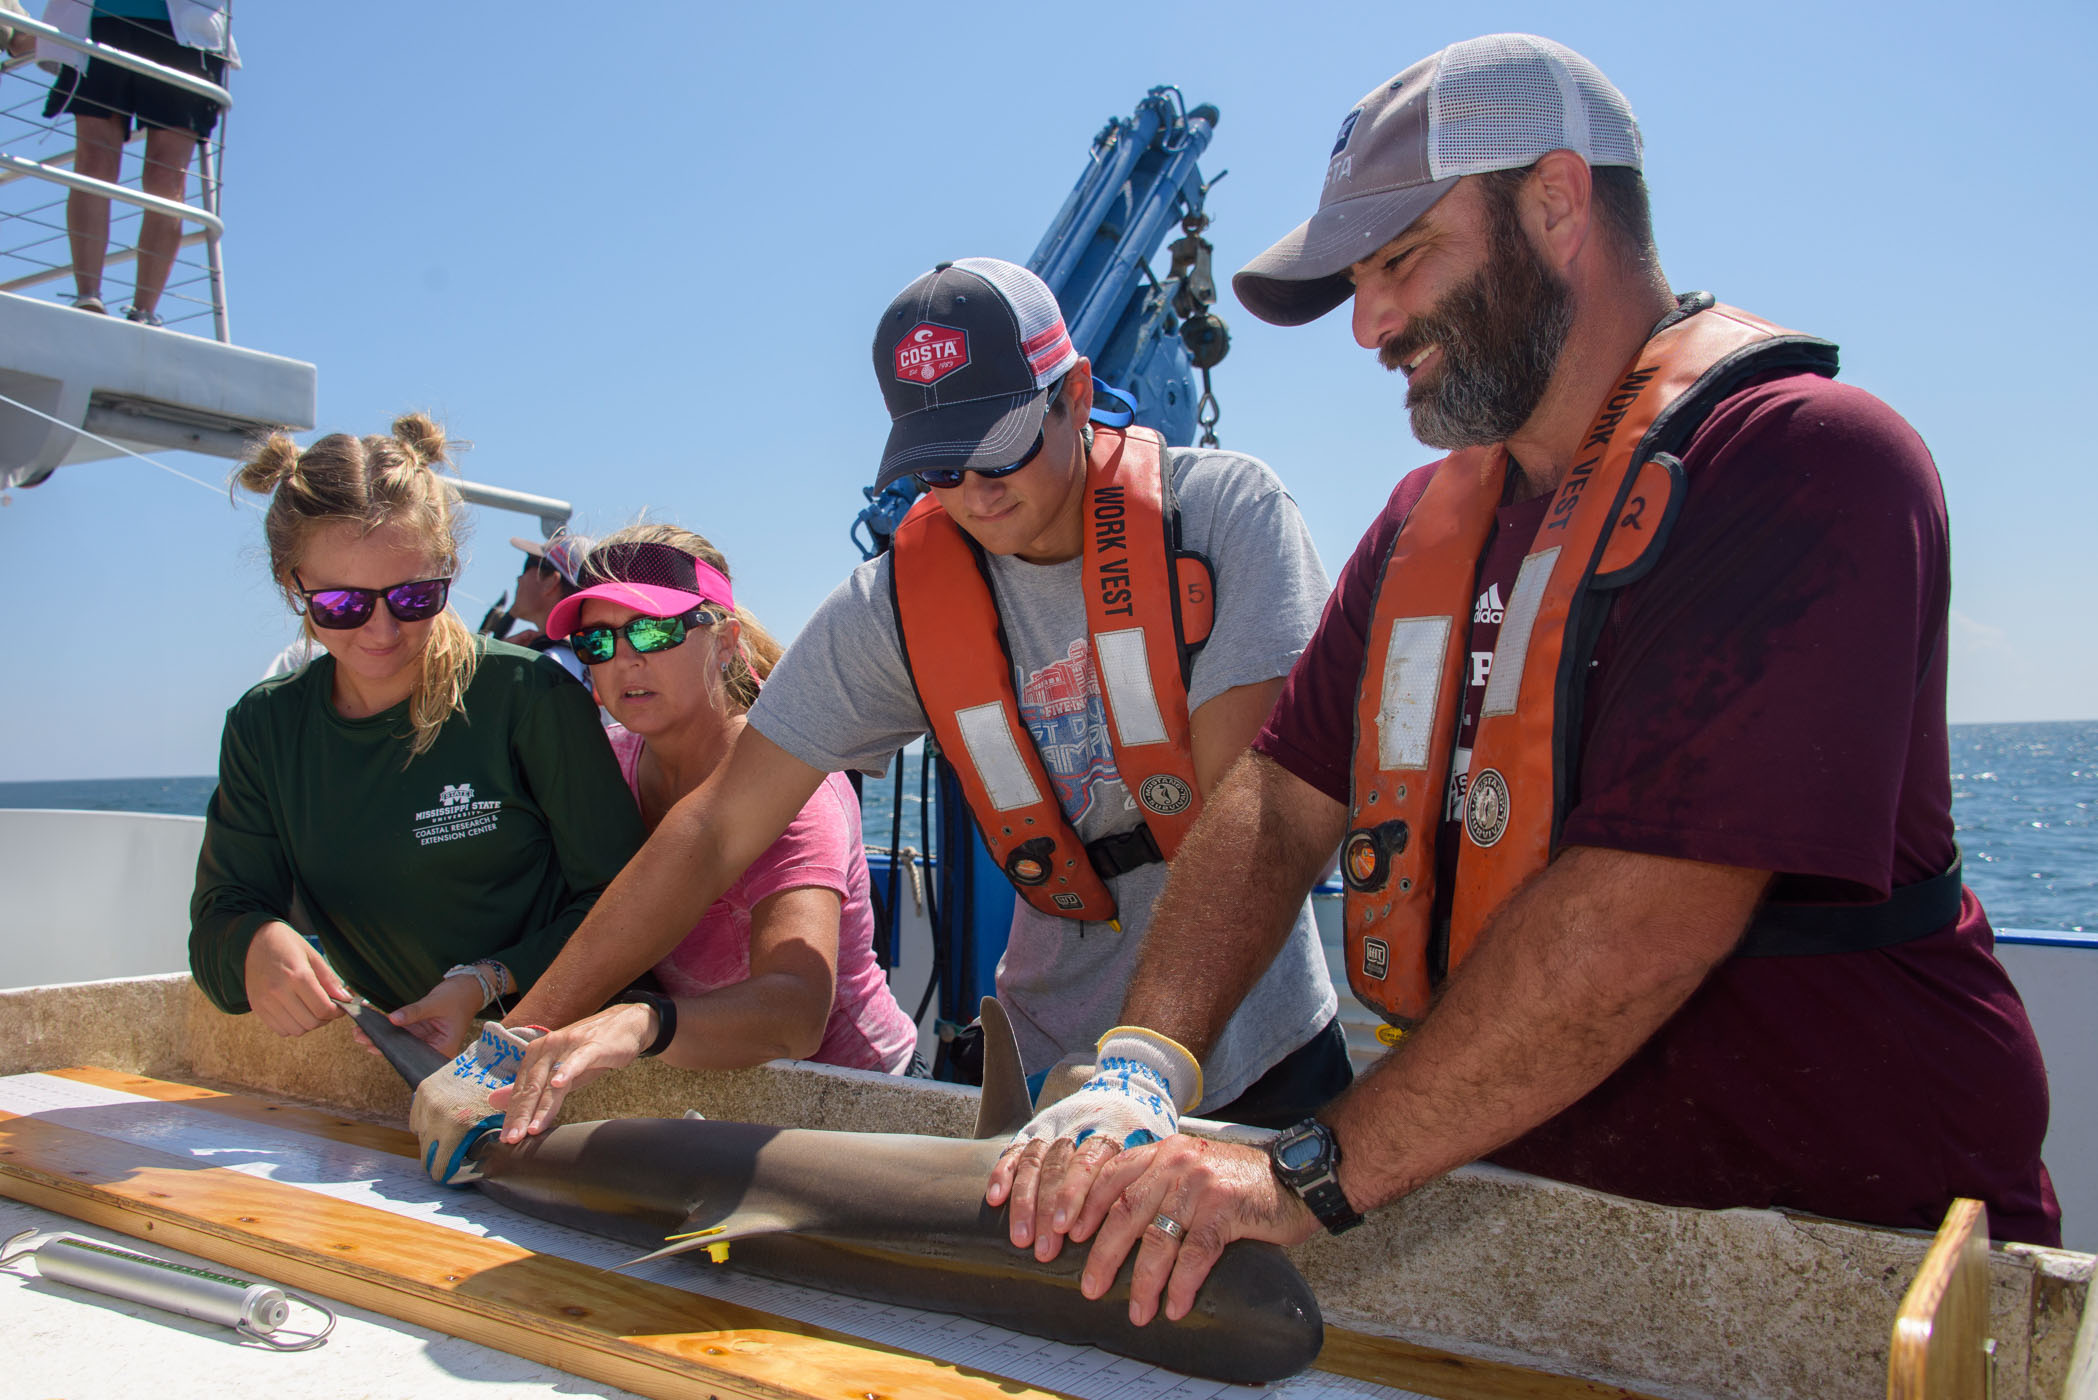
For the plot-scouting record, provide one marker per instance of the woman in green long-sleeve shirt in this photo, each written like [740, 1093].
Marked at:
[436, 810]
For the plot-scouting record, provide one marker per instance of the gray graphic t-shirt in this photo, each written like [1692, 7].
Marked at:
[842, 698]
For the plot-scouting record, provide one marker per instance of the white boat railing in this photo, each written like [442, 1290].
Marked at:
[35, 159]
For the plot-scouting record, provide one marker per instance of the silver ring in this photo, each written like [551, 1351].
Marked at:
[1169, 1227]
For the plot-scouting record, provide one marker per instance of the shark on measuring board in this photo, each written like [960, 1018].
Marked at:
[891, 1217]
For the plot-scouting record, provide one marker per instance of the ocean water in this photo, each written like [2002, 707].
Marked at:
[2024, 799]
[2025, 802]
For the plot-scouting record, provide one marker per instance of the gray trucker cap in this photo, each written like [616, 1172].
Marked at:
[1493, 103]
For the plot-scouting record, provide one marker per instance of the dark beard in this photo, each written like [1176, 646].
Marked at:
[1499, 334]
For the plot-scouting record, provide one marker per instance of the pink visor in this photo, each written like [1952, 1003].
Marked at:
[656, 580]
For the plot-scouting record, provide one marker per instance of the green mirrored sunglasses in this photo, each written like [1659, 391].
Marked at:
[595, 645]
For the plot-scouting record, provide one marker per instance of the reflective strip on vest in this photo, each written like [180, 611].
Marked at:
[1412, 691]
[994, 750]
[1512, 647]
[1125, 669]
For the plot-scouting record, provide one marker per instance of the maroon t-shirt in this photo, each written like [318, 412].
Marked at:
[1770, 696]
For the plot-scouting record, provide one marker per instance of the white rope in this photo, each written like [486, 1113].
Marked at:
[913, 860]
[118, 446]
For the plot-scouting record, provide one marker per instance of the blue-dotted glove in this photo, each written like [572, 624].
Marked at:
[1140, 1084]
[451, 1112]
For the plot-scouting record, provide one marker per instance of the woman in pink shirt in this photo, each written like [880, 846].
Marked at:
[782, 965]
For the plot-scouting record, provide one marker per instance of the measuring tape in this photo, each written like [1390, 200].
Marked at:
[252, 1309]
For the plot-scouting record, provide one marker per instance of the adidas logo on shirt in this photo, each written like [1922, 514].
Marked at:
[1488, 608]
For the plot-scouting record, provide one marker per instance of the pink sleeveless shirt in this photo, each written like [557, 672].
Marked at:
[820, 848]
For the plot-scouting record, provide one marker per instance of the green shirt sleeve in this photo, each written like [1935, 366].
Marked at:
[560, 750]
[243, 875]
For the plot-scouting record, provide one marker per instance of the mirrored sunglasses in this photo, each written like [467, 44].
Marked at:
[340, 609]
[594, 645]
[941, 478]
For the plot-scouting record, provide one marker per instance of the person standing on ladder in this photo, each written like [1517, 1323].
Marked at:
[1094, 627]
[104, 99]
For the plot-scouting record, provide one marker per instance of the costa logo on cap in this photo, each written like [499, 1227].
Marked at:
[929, 353]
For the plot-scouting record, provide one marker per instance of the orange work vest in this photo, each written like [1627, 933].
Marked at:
[1149, 608]
[1605, 528]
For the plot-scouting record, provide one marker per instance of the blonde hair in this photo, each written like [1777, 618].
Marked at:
[372, 482]
[760, 651]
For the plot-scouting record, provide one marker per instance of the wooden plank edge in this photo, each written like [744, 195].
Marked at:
[1449, 1376]
[1909, 1352]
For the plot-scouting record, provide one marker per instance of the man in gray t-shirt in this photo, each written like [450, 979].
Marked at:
[990, 404]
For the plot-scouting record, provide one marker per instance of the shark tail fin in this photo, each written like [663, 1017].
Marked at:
[741, 1225]
[1006, 1105]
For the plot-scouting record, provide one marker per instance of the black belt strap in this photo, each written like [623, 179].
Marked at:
[1802, 930]
[1124, 851]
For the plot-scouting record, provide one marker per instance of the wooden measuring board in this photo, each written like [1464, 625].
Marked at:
[1939, 1350]
[322, 1204]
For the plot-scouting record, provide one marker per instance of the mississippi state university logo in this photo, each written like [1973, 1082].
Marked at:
[929, 353]
[457, 816]
[1165, 794]
[1486, 807]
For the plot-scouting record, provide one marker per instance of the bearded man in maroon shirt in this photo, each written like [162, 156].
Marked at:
[1629, 720]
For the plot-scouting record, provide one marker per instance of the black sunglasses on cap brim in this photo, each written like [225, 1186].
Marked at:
[340, 609]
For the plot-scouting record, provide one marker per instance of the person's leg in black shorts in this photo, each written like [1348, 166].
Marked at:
[168, 150]
[103, 99]
[98, 151]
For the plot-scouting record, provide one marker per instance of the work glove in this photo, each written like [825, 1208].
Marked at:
[451, 1111]
[1062, 1079]
[1140, 1083]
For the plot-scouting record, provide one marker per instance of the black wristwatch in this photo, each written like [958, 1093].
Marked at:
[666, 1017]
[1306, 1158]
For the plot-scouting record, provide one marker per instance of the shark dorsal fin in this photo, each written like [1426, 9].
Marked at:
[1006, 1105]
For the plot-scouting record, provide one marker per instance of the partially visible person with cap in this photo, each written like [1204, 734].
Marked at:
[1094, 626]
[550, 574]
[1629, 720]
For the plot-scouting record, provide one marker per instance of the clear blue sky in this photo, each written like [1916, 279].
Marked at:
[634, 253]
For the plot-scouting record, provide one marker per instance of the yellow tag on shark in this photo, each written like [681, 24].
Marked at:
[716, 1252]
[1388, 1034]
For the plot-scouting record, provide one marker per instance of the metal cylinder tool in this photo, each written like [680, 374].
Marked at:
[257, 1310]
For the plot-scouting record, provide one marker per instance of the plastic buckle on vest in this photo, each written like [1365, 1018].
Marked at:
[1123, 852]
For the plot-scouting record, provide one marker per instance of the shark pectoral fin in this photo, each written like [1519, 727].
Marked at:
[1006, 1104]
[742, 1225]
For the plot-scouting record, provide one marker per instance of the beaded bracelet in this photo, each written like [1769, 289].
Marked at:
[473, 970]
